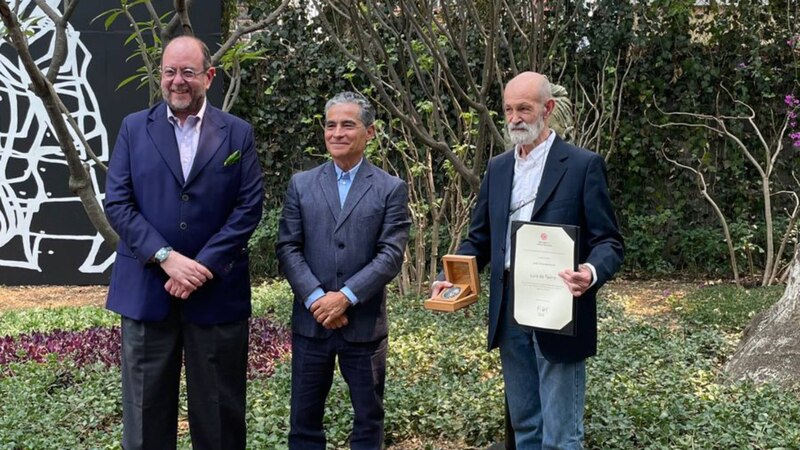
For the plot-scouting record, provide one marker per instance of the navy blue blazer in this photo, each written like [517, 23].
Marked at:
[573, 191]
[360, 245]
[208, 217]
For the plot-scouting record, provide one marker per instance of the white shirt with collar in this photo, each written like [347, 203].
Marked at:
[187, 136]
[528, 171]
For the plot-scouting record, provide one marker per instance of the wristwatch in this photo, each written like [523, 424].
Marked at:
[162, 254]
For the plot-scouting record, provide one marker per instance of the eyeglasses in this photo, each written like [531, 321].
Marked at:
[169, 73]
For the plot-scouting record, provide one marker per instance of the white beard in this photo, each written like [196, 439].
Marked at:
[525, 133]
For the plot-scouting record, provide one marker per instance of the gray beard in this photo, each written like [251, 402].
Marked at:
[527, 137]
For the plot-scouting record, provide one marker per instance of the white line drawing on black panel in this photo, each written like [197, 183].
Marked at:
[29, 150]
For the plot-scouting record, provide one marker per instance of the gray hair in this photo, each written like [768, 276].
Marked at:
[545, 90]
[367, 114]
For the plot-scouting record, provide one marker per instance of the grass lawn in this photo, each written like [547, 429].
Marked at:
[656, 383]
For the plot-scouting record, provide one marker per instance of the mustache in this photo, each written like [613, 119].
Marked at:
[520, 127]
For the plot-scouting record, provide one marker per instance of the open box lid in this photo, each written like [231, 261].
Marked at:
[462, 269]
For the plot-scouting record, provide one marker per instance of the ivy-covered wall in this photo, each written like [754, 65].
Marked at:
[674, 55]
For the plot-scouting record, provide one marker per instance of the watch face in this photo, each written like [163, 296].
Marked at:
[451, 293]
[162, 254]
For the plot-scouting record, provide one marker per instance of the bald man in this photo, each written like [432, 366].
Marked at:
[543, 179]
[184, 192]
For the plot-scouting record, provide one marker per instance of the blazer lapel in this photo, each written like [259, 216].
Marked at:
[329, 188]
[212, 135]
[162, 134]
[554, 169]
[503, 179]
[361, 184]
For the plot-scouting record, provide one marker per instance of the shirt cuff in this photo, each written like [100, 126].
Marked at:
[351, 297]
[594, 273]
[316, 295]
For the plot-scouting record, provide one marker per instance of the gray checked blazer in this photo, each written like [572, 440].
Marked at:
[359, 245]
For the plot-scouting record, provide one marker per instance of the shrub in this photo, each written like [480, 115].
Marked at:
[726, 307]
[656, 384]
[15, 322]
[268, 344]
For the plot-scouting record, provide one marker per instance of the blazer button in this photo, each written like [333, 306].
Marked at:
[339, 274]
[185, 197]
[341, 245]
[184, 226]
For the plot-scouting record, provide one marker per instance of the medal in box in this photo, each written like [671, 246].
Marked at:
[462, 272]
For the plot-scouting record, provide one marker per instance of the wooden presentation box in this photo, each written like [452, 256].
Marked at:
[462, 271]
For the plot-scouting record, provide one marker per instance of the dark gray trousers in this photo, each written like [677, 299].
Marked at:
[216, 366]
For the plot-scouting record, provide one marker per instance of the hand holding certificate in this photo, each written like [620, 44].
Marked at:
[539, 252]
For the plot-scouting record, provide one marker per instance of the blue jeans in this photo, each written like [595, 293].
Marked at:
[545, 399]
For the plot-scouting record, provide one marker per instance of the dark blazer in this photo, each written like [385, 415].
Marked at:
[361, 245]
[573, 191]
[208, 217]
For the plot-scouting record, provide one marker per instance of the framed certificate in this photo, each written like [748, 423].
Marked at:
[539, 251]
[462, 271]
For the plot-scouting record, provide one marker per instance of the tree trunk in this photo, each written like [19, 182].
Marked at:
[770, 345]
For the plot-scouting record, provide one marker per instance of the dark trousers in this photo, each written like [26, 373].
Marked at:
[216, 365]
[363, 366]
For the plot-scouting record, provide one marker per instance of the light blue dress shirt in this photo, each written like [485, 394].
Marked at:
[343, 181]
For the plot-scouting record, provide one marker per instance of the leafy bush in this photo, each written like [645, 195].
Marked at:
[92, 346]
[268, 344]
[15, 322]
[263, 261]
[662, 388]
[654, 385]
[645, 243]
[56, 405]
[727, 307]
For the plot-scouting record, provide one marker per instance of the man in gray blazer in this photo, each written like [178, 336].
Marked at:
[342, 235]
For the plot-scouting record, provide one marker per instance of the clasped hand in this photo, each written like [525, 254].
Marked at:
[329, 310]
[185, 275]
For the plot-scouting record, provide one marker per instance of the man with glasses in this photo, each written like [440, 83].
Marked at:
[184, 191]
[341, 238]
[543, 179]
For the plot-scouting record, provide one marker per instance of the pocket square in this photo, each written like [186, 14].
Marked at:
[233, 158]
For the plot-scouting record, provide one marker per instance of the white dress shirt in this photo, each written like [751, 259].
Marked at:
[528, 172]
[187, 136]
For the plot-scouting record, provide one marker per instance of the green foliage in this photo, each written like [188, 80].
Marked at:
[728, 308]
[645, 245]
[14, 322]
[283, 95]
[659, 387]
[440, 380]
[263, 261]
[56, 406]
[653, 385]
[683, 57]
[274, 299]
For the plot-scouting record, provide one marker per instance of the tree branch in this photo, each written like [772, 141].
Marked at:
[240, 31]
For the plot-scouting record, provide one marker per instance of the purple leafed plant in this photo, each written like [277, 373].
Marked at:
[84, 347]
[268, 344]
